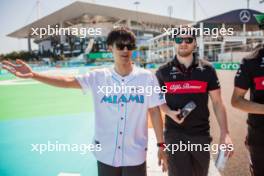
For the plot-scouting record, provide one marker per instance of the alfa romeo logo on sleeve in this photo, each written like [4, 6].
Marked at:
[244, 16]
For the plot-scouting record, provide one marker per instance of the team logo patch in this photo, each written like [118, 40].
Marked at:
[181, 87]
[259, 83]
[174, 72]
[238, 73]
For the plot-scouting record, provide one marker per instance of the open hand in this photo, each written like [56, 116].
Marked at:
[162, 157]
[20, 69]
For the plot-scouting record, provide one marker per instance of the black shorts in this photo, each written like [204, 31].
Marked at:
[187, 163]
[106, 170]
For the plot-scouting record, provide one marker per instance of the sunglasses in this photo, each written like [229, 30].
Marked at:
[187, 40]
[121, 46]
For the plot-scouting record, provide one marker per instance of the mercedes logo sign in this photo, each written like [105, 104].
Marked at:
[244, 16]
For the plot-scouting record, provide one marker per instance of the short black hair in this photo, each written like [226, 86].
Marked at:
[119, 35]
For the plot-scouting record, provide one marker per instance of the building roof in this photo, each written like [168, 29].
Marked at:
[78, 9]
[239, 16]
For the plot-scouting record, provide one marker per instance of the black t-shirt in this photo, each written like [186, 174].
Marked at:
[185, 85]
[251, 76]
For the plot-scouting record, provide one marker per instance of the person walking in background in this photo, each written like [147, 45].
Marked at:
[250, 76]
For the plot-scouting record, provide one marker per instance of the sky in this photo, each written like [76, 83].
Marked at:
[18, 13]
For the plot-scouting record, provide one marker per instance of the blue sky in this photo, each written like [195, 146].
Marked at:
[16, 13]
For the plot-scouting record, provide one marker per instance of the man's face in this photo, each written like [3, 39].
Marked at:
[185, 45]
[122, 51]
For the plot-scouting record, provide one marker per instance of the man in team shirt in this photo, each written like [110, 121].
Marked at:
[250, 76]
[190, 79]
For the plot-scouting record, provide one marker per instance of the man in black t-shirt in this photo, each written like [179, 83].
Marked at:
[251, 76]
[188, 78]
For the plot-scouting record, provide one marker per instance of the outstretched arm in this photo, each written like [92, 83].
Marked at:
[23, 70]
